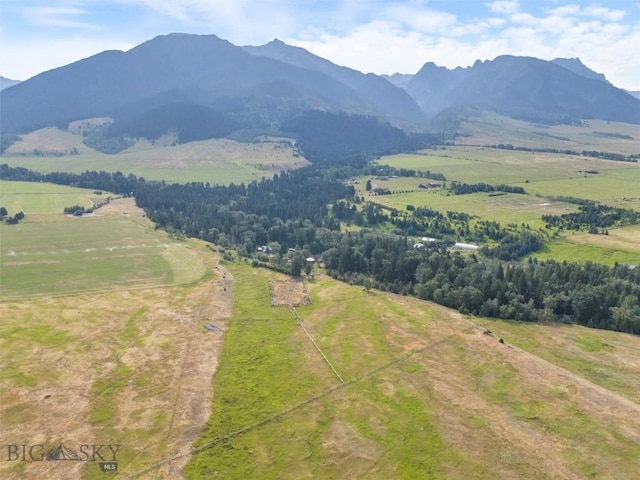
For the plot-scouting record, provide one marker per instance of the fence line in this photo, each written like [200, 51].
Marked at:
[297, 406]
[299, 320]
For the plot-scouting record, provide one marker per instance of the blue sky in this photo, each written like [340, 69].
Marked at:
[377, 36]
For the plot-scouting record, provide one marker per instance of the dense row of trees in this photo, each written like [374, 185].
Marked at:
[593, 215]
[301, 210]
[513, 246]
[99, 140]
[589, 294]
[388, 171]
[459, 188]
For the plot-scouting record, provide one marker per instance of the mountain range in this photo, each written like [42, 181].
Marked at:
[202, 86]
[522, 87]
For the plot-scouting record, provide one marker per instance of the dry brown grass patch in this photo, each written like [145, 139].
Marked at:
[285, 293]
[148, 345]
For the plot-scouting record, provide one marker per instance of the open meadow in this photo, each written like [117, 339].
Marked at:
[113, 247]
[546, 179]
[102, 339]
[112, 332]
[217, 161]
[408, 389]
[489, 128]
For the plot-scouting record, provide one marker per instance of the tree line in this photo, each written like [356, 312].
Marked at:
[302, 210]
[618, 157]
[459, 188]
[591, 216]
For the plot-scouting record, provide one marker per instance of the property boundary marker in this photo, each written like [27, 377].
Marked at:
[299, 320]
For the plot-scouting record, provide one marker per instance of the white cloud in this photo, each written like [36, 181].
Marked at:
[504, 6]
[65, 17]
[420, 19]
[523, 18]
[604, 13]
[477, 28]
[565, 10]
[238, 20]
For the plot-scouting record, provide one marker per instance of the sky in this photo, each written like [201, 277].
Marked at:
[379, 36]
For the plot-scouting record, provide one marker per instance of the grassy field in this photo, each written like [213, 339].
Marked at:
[102, 338]
[215, 161]
[489, 128]
[128, 367]
[43, 198]
[544, 176]
[538, 173]
[50, 253]
[622, 245]
[102, 342]
[427, 393]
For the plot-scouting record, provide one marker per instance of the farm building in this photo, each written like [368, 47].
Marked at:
[465, 246]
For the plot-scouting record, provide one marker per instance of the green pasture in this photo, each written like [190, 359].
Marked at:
[215, 161]
[537, 173]
[599, 250]
[53, 255]
[543, 176]
[269, 365]
[505, 209]
[147, 165]
[43, 198]
[423, 395]
[489, 128]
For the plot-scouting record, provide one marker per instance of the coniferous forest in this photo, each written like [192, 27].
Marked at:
[297, 214]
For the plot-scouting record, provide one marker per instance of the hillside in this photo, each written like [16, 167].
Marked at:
[375, 90]
[218, 161]
[185, 70]
[410, 390]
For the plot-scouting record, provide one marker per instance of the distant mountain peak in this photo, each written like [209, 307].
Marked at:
[381, 95]
[178, 38]
[7, 82]
[579, 68]
[250, 87]
[529, 88]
